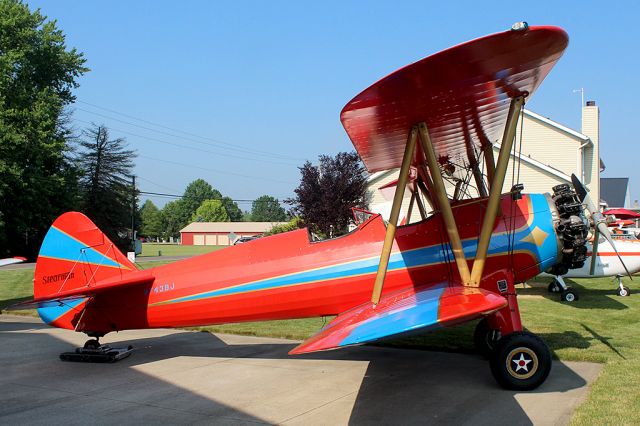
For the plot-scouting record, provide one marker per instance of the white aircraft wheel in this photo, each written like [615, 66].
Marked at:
[624, 291]
[520, 361]
[569, 296]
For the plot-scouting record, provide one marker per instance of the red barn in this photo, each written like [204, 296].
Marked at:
[218, 233]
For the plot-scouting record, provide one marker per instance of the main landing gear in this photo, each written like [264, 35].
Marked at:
[519, 360]
[93, 351]
[622, 290]
[566, 294]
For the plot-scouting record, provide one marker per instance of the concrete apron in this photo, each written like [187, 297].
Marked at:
[177, 376]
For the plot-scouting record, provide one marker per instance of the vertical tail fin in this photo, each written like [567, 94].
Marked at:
[75, 254]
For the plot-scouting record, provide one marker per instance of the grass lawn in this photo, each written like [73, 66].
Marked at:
[152, 249]
[600, 327]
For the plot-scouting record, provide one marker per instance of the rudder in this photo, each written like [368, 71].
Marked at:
[74, 254]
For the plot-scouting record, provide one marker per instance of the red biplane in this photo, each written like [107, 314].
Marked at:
[459, 264]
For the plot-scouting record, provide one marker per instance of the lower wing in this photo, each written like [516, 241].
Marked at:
[401, 312]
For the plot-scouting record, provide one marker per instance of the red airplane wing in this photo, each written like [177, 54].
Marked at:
[461, 93]
[402, 312]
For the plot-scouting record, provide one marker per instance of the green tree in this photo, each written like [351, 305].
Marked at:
[267, 209]
[37, 76]
[195, 194]
[105, 187]
[150, 220]
[171, 218]
[328, 191]
[234, 212]
[211, 211]
[292, 225]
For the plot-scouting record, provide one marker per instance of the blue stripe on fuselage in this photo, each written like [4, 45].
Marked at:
[425, 256]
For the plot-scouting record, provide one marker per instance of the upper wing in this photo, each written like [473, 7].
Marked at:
[461, 93]
[403, 311]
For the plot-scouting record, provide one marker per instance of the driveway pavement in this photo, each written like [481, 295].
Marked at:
[177, 376]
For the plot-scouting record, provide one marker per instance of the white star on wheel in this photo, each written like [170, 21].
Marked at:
[522, 363]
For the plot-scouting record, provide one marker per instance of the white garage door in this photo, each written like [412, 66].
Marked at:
[198, 240]
[223, 240]
[210, 240]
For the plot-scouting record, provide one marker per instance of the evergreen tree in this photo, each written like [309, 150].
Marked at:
[105, 185]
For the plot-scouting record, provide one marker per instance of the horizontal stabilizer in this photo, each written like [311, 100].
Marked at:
[132, 278]
[50, 303]
[402, 312]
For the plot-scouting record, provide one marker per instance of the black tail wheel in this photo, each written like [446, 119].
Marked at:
[520, 361]
[485, 338]
[92, 344]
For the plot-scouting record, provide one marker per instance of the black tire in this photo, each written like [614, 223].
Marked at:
[554, 287]
[569, 296]
[521, 361]
[92, 344]
[624, 291]
[485, 338]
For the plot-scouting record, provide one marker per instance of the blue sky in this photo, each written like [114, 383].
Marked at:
[258, 86]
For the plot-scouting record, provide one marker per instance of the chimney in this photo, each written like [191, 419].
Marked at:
[591, 129]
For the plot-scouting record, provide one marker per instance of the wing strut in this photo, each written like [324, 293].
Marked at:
[443, 202]
[395, 212]
[423, 212]
[495, 190]
[426, 186]
[410, 209]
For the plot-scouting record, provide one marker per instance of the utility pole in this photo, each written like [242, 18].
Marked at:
[133, 213]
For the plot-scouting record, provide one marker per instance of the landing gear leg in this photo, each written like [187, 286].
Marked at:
[485, 338]
[622, 290]
[566, 294]
[520, 360]
[555, 286]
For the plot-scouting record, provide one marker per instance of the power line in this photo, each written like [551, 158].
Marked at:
[157, 184]
[191, 147]
[216, 142]
[191, 166]
[160, 194]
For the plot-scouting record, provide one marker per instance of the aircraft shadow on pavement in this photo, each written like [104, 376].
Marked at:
[399, 386]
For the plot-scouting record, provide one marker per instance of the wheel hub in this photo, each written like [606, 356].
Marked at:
[522, 363]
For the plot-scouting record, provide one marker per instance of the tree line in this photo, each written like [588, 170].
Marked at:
[203, 203]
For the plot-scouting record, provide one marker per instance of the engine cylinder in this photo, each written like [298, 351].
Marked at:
[572, 229]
